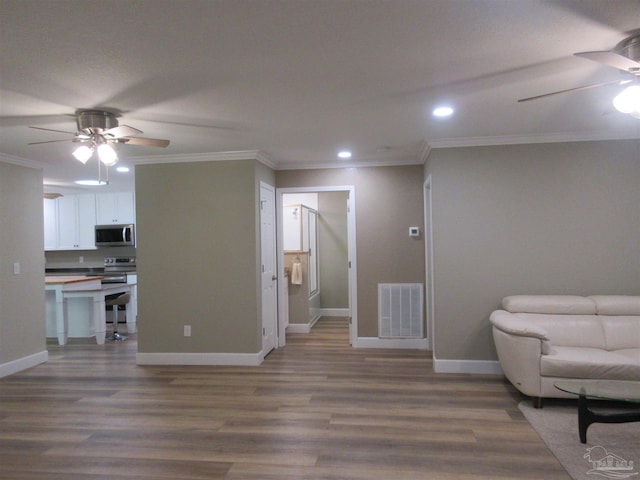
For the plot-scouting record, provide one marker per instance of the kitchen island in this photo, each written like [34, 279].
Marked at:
[88, 315]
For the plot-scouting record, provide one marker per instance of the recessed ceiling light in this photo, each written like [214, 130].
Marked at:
[442, 112]
[344, 154]
[91, 183]
[122, 169]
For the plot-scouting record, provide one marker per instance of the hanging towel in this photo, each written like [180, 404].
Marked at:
[296, 273]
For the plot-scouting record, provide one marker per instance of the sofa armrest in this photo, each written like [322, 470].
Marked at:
[520, 360]
[509, 323]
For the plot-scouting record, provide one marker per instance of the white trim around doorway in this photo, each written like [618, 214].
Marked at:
[352, 311]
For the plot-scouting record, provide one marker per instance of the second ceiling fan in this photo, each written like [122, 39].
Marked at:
[625, 57]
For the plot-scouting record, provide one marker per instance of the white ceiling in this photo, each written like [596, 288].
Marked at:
[299, 80]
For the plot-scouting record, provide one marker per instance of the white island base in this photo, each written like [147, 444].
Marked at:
[75, 307]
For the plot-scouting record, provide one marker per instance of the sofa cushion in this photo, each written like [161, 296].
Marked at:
[568, 330]
[580, 362]
[633, 354]
[616, 304]
[621, 331]
[552, 304]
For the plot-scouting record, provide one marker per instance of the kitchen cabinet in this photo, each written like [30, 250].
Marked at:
[69, 223]
[114, 208]
[50, 224]
[76, 222]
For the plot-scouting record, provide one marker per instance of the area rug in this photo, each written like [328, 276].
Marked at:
[611, 451]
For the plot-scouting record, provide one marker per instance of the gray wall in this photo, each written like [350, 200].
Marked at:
[22, 297]
[198, 256]
[332, 250]
[529, 219]
[388, 201]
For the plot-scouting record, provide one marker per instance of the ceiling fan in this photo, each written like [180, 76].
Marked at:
[103, 125]
[625, 57]
[96, 131]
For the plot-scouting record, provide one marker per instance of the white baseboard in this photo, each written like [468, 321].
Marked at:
[302, 327]
[334, 312]
[298, 328]
[238, 359]
[23, 363]
[375, 342]
[477, 367]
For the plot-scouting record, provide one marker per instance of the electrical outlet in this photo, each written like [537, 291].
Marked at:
[81, 259]
[16, 268]
[187, 330]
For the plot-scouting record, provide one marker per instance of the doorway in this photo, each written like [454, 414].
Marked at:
[283, 287]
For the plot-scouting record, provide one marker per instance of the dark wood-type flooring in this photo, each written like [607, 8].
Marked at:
[315, 409]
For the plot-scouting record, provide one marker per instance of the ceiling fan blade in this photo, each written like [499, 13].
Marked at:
[122, 131]
[149, 142]
[48, 141]
[575, 89]
[52, 130]
[612, 59]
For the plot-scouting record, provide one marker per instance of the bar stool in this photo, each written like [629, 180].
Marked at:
[115, 303]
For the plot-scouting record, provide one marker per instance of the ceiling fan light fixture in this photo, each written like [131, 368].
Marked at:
[107, 154]
[83, 153]
[628, 101]
[442, 111]
[91, 183]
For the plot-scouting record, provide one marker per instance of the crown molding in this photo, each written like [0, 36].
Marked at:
[525, 139]
[326, 166]
[425, 152]
[198, 157]
[23, 162]
[265, 159]
[258, 155]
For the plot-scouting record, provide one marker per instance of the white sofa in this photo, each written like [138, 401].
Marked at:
[541, 339]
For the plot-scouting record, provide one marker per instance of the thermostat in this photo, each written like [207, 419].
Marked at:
[414, 231]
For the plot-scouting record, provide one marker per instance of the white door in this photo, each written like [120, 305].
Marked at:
[269, 275]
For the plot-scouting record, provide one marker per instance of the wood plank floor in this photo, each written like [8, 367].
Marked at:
[316, 409]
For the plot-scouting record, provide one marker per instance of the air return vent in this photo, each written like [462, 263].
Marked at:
[400, 310]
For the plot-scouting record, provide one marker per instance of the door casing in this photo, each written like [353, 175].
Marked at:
[268, 262]
[351, 254]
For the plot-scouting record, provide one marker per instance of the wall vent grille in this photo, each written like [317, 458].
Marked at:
[400, 310]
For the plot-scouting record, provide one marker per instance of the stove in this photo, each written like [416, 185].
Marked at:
[117, 268]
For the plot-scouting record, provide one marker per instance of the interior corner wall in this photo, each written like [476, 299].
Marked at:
[388, 201]
[197, 258]
[22, 296]
[559, 218]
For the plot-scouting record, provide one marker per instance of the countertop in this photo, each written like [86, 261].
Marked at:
[64, 279]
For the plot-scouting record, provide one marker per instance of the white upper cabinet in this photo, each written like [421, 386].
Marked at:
[114, 208]
[73, 223]
[50, 224]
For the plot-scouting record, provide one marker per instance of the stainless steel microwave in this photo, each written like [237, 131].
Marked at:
[122, 235]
